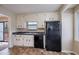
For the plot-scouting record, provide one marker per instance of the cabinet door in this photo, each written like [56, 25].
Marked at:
[28, 41]
[25, 42]
[18, 41]
[18, 22]
[31, 43]
[15, 42]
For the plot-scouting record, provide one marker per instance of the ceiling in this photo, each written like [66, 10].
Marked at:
[31, 8]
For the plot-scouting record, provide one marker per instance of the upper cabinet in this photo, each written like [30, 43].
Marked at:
[40, 18]
[20, 22]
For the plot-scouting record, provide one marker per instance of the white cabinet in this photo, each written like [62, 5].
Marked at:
[29, 40]
[18, 41]
[20, 22]
[24, 40]
[15, 42]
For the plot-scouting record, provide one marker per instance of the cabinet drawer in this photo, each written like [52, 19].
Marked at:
[28, 36]
[18, 42]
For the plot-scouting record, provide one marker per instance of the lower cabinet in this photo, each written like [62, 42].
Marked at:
[29, 40]
[24, 40]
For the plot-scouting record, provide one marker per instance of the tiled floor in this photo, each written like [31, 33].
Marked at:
[4, 48]
[29, 51]
[3, 45]
[5, 52]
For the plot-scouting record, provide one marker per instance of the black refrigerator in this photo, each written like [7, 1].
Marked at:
[53, 36]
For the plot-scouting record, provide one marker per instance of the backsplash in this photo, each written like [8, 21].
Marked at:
[25, 30]
[22, 29]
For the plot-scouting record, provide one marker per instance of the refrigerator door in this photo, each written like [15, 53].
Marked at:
[53, 37]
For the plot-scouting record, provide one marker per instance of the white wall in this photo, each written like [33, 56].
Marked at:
[76, 33]
[39, 17]
[11, 23]
[76, 17]
[67, 30]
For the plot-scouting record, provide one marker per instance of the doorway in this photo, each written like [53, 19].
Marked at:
[4, 35]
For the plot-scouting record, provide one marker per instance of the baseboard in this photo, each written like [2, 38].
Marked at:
[70, 52]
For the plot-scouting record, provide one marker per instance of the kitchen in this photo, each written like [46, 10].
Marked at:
[40, 29]
[31, 29]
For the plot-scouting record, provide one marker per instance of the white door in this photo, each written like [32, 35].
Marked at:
[1, 31]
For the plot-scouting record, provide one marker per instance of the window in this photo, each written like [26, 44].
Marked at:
[1, 31]
[32, 25]
[4, 31]
[6, 26]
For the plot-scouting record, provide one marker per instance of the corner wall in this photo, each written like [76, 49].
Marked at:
[67, 30]
[76, 35]
[11, 22]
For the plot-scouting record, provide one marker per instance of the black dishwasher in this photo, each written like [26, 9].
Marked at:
[38, 41]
